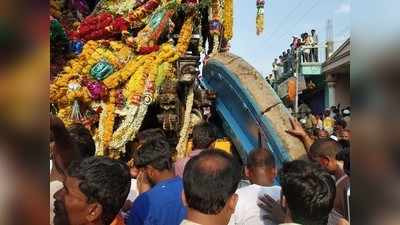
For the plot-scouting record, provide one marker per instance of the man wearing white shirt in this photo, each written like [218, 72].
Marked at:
[261, 171]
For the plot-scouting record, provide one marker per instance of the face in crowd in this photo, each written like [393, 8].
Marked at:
[94, 192]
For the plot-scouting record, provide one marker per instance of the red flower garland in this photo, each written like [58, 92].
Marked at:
[147, 50]
[101, 26]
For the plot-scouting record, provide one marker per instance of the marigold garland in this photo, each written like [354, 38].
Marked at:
[135, 86]
[121, 76]
[92, 52]
[82, 95]
[64, 114]
[260, 16]
[215, 24]
[106, 124]
[228, 19]
[184, 36]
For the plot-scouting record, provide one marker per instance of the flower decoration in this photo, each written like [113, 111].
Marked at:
[260, 16]
[142, 11]
[228, 19]
[184, 36]
[97, 89]
[76, 46]
[183, 134]
[101, 26]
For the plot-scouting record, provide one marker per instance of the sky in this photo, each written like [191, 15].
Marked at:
[282, 20]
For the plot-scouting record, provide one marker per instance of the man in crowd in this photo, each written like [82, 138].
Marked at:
[63, 151]
[328, 121]
[314, 51]
[339, 126]
[261, 171]
[210, 181]
[345, 135]
[203, 135]
[324, 152]
[322, 134]
[346, 116]
[307, 198]
[83, 139]
[94, 191]
[162, 204]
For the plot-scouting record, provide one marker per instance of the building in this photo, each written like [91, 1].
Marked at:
[336, 72]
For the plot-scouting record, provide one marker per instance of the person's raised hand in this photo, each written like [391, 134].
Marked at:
[297, 130]
[143, 184]
[274, 210]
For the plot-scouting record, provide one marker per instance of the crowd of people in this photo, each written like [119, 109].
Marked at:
[150, 187]
[333, 123]
[286, 62]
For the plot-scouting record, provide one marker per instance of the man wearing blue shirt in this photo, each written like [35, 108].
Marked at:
[162, 204]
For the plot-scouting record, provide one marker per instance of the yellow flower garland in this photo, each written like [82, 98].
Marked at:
[184, 36]
[64, 114]
[76, 68]
[136, 112]
[259, 24]
[135, 86]
[228, 19]
[82, 95]
[106, 125]
[216, 15]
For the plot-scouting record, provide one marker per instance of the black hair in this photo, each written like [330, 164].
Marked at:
[150, 133]
[83, 139]
[65, 147]
[344, 156]
[203, 135]
[155, 152]
[309, 190]
[209, 179]
[260, 157]
[344, 143]
[341, 123]
[105, 181]
[326, 147]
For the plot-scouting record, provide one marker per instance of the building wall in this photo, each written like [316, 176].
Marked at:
[342, 90]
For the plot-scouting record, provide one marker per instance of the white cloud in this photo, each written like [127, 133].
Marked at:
[344, 8]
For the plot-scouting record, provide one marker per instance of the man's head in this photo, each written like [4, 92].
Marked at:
[153, 158]
[344, 156]
[203, 135]
[339, 126]
[308, 191]
[94, 192]
[327, 112]
[210, 180]
[312, 31]
[345, 134]
[321, 134]
[324, 151]
[83, 139]
[64, 149]
[260, 168]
